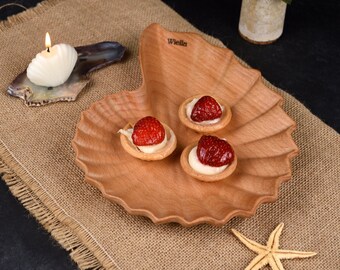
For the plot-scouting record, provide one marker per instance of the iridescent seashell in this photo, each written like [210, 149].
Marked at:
[90, 58]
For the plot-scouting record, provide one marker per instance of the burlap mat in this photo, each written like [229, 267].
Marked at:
[38, 162]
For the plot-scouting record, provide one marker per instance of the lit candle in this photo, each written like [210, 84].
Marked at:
[53, 66]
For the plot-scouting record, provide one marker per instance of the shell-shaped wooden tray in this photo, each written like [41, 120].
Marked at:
[176, 66]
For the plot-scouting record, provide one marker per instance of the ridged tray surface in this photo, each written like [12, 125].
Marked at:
[176, 66]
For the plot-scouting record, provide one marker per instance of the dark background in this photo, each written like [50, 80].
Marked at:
[304, 61]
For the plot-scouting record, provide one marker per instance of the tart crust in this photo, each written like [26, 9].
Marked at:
[224, 121]
[206, 178]
[158, 155]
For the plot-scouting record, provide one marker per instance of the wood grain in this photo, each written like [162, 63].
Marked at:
[259, 130]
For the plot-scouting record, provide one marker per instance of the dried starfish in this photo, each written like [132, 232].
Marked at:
[270, 254]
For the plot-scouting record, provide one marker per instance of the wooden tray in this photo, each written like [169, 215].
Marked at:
[176, 66]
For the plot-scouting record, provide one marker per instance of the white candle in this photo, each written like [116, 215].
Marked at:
[53, 66]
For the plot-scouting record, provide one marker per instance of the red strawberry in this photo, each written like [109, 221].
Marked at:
[148, 131]
[214, 151]
[206, 108]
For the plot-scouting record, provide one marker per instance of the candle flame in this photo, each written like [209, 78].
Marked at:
[48, 41]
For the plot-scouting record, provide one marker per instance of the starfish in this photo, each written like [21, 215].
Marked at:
[270, 254]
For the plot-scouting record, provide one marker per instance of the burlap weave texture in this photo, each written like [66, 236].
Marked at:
[38, 161]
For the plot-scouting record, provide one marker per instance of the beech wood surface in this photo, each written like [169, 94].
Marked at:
[176, 66]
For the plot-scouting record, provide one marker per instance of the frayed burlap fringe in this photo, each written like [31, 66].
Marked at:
[28, 14]
[65, 230]
[69, 233]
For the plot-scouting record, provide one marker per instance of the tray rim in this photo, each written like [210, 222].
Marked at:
[176, 218]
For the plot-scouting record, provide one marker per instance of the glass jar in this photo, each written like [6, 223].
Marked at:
[261, 21]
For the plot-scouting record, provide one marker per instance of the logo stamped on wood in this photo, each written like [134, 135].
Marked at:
[177, 42]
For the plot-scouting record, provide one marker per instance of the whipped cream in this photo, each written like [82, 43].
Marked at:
[189, 107]
[148, 149]
[198, 166]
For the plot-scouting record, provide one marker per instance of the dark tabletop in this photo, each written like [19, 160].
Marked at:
[304, 61]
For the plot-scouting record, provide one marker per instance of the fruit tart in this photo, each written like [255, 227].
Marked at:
[205, 114]
[209, 160]
[148, 139]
